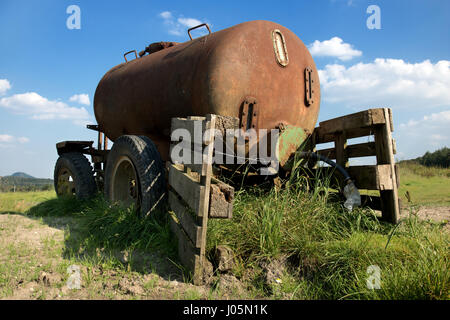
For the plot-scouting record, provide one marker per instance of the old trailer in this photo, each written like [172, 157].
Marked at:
[257, 72]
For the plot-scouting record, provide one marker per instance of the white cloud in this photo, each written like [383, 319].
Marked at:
[178, 26]
[429, 133]
[335, 47]
[23, 140]
[387, 83]
[348, 2]
[6, 138]
[435, 119]
[9, 139]
[4, 86]
[166, 15]
[40, 108]
[81, 99]
[189, 22]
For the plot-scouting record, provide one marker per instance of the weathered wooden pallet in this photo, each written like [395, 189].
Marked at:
[195, 196]
[384, 175]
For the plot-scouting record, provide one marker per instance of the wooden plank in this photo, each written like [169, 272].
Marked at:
[188, 254]
[391, 121]
[193, 154]
[194, 193]
[385, 155]
[366, 149]
[361, 119]
[340, 146]
[394, 146]
[371, 177]
[397, 176]
[321, 136]
[206, 181]
[221, 200]
[224, 123]
[195, 127]
[189, 189]
[186, 221]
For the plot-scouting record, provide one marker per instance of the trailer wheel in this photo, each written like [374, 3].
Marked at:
[73, 176]
[134, 174]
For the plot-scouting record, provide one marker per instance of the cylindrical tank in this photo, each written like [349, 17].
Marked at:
[257, 61]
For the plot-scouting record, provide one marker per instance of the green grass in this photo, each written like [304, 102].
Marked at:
[329, 249]
[22, 201]
[426, 185]
[326, 249]
[97, 236]
[111, 228]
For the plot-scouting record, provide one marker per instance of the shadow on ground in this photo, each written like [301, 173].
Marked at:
[143, 245]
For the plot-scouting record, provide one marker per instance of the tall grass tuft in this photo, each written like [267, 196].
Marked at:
[108, 227]
[114, 226]
[329, 249]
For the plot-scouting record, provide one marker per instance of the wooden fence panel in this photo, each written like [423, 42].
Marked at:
[194, 191]
[384, 175]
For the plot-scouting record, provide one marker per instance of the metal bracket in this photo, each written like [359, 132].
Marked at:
[309, 86]
[249, 114]
[200, 25]
[125, 55]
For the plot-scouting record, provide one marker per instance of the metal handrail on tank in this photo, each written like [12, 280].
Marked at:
[200, 25]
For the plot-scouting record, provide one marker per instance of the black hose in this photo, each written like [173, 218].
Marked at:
[307, 154]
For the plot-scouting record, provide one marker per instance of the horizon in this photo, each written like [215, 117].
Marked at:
[49, 72]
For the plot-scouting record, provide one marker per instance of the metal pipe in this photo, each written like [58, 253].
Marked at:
[350, 191]
[305, 154]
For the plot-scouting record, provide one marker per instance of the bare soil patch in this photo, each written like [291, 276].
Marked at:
[438, 214]
[33, 266]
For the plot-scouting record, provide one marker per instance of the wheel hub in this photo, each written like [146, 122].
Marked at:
[124, 182]
[65, 184]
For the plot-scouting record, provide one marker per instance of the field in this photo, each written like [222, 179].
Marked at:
[426, 185]
[289, 243]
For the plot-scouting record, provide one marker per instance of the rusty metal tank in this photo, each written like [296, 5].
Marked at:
[258, 71]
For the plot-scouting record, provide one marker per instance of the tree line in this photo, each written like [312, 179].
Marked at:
[439, 158]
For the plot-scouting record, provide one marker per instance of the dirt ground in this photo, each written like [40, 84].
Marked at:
[438, 214]
[33, 265]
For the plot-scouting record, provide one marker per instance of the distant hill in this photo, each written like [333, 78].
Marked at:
[22, 175]
[20, 181]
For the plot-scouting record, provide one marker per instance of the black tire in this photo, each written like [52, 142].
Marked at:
[73, 175]
[134, 166]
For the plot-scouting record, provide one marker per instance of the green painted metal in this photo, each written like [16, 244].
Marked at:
[290, 139]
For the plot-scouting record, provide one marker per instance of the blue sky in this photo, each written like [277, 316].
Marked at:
[48, 73]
